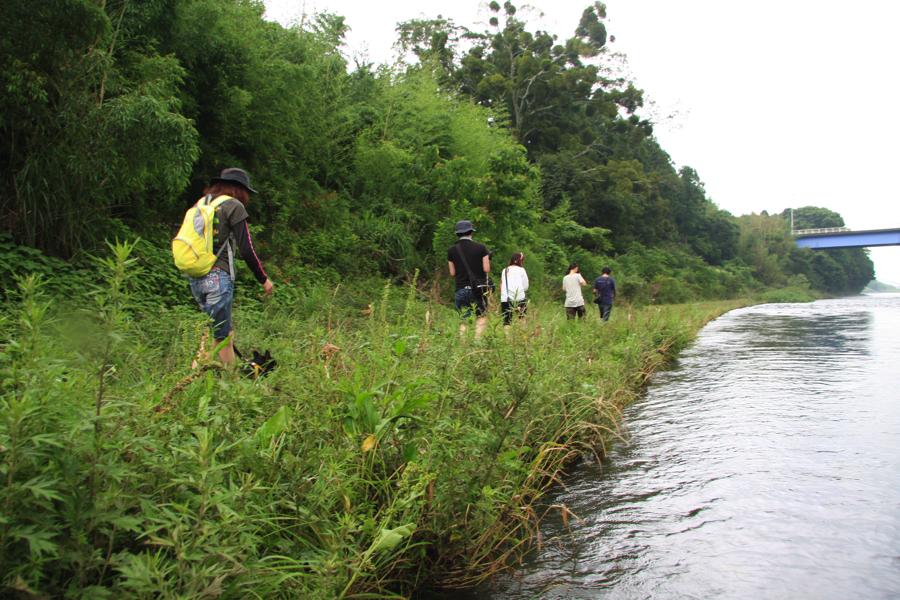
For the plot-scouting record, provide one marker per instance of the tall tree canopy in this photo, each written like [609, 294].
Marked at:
[114, 115]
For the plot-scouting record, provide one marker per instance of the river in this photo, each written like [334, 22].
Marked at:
[765, 464]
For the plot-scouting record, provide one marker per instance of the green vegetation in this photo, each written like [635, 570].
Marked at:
[114, 114]
[383, 450]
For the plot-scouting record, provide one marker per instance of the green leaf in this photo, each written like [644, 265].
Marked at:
[413, 403]
[42, 488]
[389, 538]
[127, 523]
[275, 425]
[410, 452]
[39, 542]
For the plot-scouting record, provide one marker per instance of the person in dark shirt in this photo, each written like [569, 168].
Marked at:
[214, 292]
[469, 262]
[605, 292]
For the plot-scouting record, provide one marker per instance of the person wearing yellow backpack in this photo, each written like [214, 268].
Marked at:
[227, 195]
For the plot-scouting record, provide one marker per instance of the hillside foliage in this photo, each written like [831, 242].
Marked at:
[114, 114]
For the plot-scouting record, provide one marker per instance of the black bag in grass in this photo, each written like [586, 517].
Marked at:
[259, 365]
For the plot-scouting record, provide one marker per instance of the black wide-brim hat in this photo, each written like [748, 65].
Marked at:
[464, 227]
[234, 175]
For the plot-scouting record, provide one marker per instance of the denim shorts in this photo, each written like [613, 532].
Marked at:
[214, 292]
[465, 299]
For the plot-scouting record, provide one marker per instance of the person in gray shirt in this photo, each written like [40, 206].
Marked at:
[571, 285]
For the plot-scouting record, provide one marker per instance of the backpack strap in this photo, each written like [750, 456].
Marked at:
[506, 279]
[215, 203]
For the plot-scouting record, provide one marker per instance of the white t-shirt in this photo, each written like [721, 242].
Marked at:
[572, 285]
[518, 284]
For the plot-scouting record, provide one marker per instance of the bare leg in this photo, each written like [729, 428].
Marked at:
[480, 324]
[226, 354]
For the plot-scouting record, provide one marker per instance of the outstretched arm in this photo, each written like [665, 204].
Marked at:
[248, 253]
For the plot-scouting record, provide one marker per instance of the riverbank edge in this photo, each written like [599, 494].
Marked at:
[517, 530]
[305, 479]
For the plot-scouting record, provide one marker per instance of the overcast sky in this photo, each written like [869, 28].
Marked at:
[776, 103]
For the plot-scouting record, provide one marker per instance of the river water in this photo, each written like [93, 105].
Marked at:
[766, 464]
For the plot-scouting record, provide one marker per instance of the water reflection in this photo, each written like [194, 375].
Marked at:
[765, 464]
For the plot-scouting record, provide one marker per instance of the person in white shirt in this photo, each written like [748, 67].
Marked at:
[571, 284]
[513, 285]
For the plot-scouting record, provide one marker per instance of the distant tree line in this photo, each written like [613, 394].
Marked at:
[114, 114]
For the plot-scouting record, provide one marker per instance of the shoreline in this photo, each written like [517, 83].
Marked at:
[384, 454]
[593, 434]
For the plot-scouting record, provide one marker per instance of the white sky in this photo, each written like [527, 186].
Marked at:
[776, 103]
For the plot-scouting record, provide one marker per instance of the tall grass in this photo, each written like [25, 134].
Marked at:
[384, 451]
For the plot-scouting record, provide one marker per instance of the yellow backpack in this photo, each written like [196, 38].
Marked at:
[192, 248]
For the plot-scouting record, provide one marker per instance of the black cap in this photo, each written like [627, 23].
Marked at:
[235, 175]
[464, 227]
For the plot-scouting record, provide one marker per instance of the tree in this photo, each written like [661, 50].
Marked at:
[814, 217]
[90, 120]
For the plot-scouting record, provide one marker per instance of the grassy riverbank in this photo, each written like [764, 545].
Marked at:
[384, 450]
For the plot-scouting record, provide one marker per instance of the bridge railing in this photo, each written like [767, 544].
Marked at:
[820, 230]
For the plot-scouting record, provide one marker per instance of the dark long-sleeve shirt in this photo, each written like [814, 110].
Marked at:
[232, 220]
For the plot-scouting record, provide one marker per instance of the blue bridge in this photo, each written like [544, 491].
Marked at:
[841, 237]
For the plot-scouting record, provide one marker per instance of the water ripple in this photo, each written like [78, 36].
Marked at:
[765, 464]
